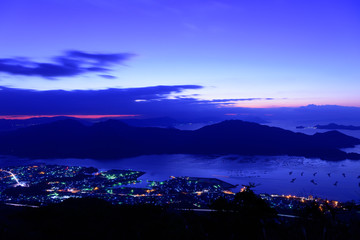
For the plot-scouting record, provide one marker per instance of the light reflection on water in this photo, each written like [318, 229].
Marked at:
[272, 174]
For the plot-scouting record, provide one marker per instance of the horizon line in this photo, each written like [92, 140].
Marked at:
[81, 116]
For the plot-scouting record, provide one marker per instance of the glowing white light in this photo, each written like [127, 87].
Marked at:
[18, 183]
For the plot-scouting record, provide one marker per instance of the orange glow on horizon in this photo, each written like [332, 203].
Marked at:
[24, 117]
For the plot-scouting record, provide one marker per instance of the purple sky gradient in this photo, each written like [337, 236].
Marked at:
[274, 53]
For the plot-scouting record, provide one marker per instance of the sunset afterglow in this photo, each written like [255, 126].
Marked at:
[23, 117]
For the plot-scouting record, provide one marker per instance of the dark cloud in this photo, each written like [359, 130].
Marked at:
[72, 63]
[107, 76]
[47, 70]
[146, 101]
[102, 59]
[108, 101]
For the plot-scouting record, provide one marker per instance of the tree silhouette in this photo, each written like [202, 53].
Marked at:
[246, 203]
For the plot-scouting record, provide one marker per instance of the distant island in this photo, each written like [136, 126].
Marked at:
[13, 124]
[334, 126]
[114, 139]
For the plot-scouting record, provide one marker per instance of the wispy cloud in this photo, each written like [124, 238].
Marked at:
[228, 102]
[237, 100]
[70, 64]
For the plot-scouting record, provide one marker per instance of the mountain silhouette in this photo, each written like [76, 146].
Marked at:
[113, 139]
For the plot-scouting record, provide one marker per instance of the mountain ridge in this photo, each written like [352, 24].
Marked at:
[114, 139]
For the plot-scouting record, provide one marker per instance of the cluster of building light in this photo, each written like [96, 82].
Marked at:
[64, 182]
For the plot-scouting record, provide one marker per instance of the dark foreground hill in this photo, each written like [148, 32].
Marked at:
[114, 139]
[97, 219]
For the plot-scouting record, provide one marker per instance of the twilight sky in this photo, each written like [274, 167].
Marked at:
[258, 53]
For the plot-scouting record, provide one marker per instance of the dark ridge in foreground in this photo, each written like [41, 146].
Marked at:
[247, 218]
[114, 139]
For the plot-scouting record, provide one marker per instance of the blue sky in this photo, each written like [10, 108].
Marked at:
[274, 52]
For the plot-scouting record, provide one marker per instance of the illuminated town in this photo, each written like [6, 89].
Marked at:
[45, 184]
